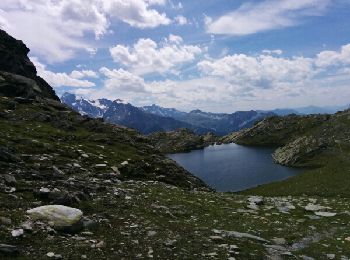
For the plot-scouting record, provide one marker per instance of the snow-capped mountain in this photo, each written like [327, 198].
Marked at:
[122, 113]
[92, 108]
[154, 118]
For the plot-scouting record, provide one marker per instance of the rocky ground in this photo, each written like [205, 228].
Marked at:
[145, 220]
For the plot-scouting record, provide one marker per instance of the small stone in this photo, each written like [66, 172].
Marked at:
[256, 200]
[279, 241]
[115, 169]
[17, 232]
[5, 221]
[100, 165]
[151, 233]
[312, 207]
[50, 254]
[57, 171]
[325, 214]
[84, 256]
[331, 256]
[125, 163]
[169, 242]
[216, 238]
[10, 179]
[100, 244]
[84, 155]
[27, 225]
[347, 239]
[44, 190]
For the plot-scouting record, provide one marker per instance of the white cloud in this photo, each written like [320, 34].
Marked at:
[328, 58]
[147, 56]
[181, 20]
[252, 18]
[122, 80]
[62, 79]
[263, 70]
[241, 82]
[277, 52]
[137, 13]
[64, 23]
[83, 74]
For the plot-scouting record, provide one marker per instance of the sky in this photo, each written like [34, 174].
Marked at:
[213, 55]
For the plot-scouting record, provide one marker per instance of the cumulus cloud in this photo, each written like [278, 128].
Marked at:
[122, 80]
[240, 81]
[64, 23]
[146, 56]
[63, 79]
[252, 18]
[263, 70]
[327, 58]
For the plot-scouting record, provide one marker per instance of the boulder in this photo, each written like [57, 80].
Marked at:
[60, 217]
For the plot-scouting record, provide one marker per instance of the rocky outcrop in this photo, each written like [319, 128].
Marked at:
[297, 151]
[182, 140]
[301, 140]
[18, 75]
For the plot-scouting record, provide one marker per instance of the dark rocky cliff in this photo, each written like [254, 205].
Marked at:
[18, 75]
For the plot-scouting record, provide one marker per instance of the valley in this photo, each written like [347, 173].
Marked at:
[76, 186]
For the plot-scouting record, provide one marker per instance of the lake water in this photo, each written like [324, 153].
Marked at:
[232, 167]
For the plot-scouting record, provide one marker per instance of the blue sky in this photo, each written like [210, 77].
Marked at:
[215, 55]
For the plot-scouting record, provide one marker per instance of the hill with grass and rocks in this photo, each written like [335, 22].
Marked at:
[75, 187]
[181, 140]
[319, 143]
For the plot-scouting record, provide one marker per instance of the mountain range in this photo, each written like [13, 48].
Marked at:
[151, 119]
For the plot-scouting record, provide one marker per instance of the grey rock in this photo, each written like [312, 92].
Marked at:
[60, 217]
[244, 235]
[8, 250]
[5, 221]
[10, 179]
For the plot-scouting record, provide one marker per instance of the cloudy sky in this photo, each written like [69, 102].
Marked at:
[215, 55]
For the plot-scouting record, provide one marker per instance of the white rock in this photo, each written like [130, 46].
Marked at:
[44, 190]
[17, 232]
[85, 155]
[50, 254]
[125, 163]
[325, 214]
[256, 200]
[101, 165]
[313, 207]
[60, 216]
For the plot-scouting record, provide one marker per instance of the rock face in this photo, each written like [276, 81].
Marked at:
[18, 76]
[60, 217]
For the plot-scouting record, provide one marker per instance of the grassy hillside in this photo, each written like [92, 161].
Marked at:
[320, 143]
